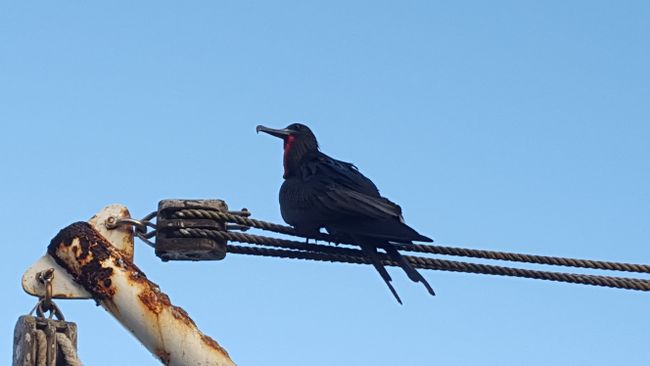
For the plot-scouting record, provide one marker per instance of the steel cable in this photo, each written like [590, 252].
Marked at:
[245, 221]
[454, 266]
[298, 250]
[422, 248]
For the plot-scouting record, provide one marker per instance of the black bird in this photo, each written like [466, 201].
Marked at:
[322, 192]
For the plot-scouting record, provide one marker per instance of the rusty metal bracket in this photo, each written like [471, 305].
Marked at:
[170, 245]
[124, 290]
[63, 287]
[95, 259]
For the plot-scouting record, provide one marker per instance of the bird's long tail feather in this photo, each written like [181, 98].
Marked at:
[371, 253]
[411, 272]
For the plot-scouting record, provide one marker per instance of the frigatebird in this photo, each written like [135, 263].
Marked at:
[322, 192]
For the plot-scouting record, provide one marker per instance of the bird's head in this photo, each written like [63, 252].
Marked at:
[298, 141]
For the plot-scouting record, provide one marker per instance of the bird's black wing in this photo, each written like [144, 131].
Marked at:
[340, 188]
[329, 170]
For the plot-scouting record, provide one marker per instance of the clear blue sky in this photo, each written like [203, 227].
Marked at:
[507, 125]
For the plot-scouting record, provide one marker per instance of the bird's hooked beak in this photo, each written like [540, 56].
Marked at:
[282, 133]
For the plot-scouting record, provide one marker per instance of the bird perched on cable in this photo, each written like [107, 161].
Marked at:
[322, 192]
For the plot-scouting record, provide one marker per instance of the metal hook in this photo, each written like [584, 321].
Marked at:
[45, 277]
[45, 303]
[140, 226]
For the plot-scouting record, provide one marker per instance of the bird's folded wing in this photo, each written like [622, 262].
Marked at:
[327, 171]
[347, 202]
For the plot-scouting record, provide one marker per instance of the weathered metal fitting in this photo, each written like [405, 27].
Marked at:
[170, 245]
[27, 339]
[63, 287]
[137, 303]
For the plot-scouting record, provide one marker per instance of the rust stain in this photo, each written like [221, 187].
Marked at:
[214, 345]
[92, 250]
[135, 274]
[182, 315]
[164, 356]
[154, 300]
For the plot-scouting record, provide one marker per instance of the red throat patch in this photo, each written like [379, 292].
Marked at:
[288, 143]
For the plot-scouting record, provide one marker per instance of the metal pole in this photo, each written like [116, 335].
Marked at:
[109, 275]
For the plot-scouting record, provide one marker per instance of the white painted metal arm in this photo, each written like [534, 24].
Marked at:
[100, 265]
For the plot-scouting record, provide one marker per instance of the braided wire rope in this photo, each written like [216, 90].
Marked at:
[70, 357]
[454, 266]
[192, 213]
[67, 348]
[298, 250]
[422, 248]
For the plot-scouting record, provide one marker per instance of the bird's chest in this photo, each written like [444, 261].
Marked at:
[298, 206]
